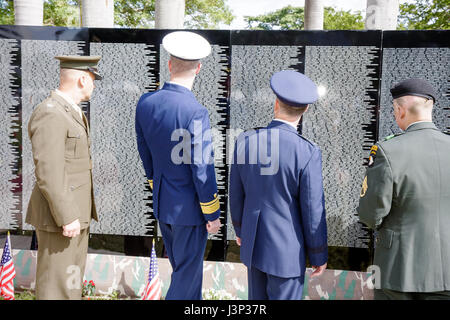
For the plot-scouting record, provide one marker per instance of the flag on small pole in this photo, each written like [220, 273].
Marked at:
[153, 289]
[7, 272]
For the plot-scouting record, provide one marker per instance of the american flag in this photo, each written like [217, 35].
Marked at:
[153, 289]
[7, 272]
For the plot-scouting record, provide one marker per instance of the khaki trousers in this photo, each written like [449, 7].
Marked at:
[60, 265]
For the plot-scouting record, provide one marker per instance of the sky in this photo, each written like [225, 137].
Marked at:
[241, 8]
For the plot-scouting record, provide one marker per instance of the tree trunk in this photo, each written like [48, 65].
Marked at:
[169, 14]
[313, 14]
[29, 12]
[382, 14]
[97, 13]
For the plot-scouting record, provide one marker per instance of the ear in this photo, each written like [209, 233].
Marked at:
[170, 65]
[402, 111]
[82, 81]
[198, 68]
[276, 107]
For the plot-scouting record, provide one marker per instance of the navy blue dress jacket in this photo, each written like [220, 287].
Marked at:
[279, 217]
[175, 145]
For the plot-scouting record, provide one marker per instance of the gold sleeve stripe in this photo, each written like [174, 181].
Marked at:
[210, 202]
[151, 183]
[211, 208]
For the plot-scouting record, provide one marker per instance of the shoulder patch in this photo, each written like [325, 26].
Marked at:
[373, 154]
[364, 187]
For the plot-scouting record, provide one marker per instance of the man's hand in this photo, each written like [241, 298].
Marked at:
[238, 241]
[72, 229]
[213, 226]
[318, 270]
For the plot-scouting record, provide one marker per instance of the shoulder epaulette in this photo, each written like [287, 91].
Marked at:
[307, 140]
[249, 131]
[392, 136]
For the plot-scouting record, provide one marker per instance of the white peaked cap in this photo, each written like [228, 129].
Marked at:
[186, 45]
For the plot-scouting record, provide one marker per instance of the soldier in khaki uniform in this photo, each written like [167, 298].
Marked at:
[62, 202]
[406, 198]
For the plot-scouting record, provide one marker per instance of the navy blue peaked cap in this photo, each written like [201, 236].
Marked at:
[294, 88]
[413, 87]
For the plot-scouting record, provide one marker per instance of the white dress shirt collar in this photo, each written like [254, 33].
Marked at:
[293, 124]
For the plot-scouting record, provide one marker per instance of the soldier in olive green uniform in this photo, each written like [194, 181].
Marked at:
[62, 202]
[406, 197]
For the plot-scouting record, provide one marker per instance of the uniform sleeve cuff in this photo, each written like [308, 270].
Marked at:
[211, 207]
[237, 231]
[212, 216]
[318, 256]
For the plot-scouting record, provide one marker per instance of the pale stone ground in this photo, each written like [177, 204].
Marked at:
[24, 242]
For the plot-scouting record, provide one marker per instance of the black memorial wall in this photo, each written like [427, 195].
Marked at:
[353, 69]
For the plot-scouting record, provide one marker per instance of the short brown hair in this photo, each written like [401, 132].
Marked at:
[182, 66]
[291, 111]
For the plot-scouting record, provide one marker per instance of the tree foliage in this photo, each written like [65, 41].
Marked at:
[64, 13]
[207, 14]
[293, 18]
[6, 12]
[425, 14]
[134, 13]
[287, 18]
[342, 20]
[201, 14]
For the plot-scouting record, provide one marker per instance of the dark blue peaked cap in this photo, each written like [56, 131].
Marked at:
[294, 88]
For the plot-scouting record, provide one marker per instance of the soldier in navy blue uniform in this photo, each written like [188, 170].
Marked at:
[175, 146]
[278, 206]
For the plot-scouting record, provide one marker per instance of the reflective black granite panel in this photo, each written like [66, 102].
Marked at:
[415, 54]
[119, 178]
[342, 123]
[9, 134]
[234, 86]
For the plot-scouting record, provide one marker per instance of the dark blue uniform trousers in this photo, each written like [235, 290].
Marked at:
[264, 286]
[185, 246]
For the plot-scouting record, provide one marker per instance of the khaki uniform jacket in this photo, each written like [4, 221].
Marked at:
[63, 167]
[406, 196]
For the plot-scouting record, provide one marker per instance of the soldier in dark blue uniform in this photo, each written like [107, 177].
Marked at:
[278, 206]
[175, 146]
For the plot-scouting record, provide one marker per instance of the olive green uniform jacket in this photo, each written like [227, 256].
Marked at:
[63, 167]
[406, 197]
